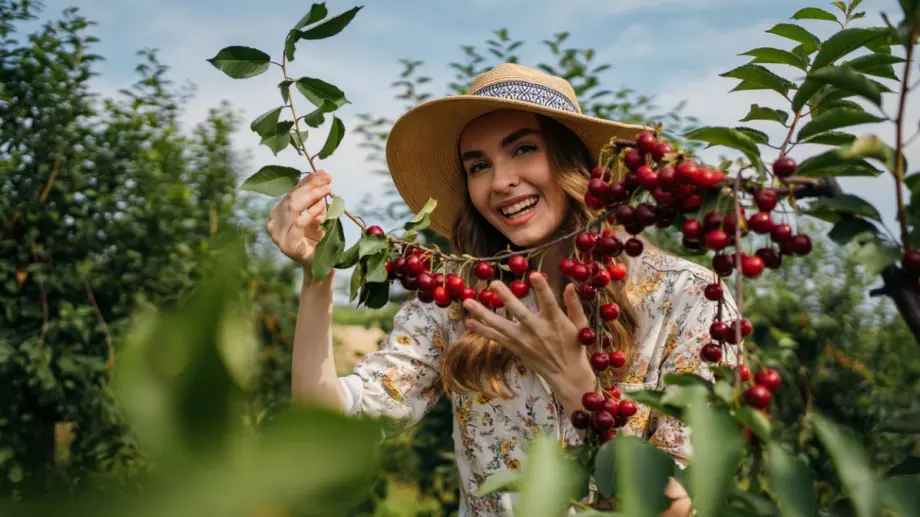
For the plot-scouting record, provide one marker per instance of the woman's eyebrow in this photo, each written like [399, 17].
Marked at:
[508, 140]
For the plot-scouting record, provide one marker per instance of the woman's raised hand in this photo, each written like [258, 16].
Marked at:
[294, 223]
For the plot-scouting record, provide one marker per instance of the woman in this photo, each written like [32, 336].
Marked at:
[508, 164]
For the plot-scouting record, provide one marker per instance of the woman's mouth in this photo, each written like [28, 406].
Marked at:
[520, 211]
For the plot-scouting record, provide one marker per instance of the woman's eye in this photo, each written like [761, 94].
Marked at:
[525, 149]
[476, 167]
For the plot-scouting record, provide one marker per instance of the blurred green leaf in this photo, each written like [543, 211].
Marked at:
[335, 210]
[285, 88]
[836, 119]
[272, 180]
[642, 473]
[605, 472]
[831, 164]
[317, 13]
[322, 94]
[501, 481]
[729, 138]
[849, 458]
[791, 480]
[904, 423]
[848, 80]
[375, 295]
[754, 420]
[757, 136]
[813, 13]
[804, 94]
[908, 467]
[717, 447]
[549, 481]
[871, 146]
[330, 27]
[875, 255]
[356, 281]
[848, 229]
[654, 400]
[842, 43]
[835, 138]
[763, 113]
[902, 495]
[241, 62]
[336, 133]
[809, 41]
[376, 268]
[879, 65]
[422, 219]
[686, 379]
[846, 204]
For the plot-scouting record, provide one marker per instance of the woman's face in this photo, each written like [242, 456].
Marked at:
[509, 178]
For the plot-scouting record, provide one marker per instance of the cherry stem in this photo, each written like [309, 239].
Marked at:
[739, 291]
[899, 149]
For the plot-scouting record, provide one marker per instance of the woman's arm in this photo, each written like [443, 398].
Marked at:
[313, 374]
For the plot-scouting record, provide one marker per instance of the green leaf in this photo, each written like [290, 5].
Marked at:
[879, 65]
[763, 113]
[813, 13]
[832, 138]
[332, 26]
[654, 399]
[336, 133]
[717, 448]
[335, 209]
[372, 245]
[279, 138]
[328, 248]
[290, 44]
[377, 268]
[831, 164]
[357, 280]
[755, 421]
[803, 95]
[315, 118]
[852, 464]
[605, 473]
[902, 494]
[912, 181]
[375, 295]
[842, 43]
[422, 219]
[848, 80]
[846, 204]
[642, 472]
[909, 467]
[836, 119]
[241, 62]
[876, 255]
[686, 379]
[285, 87]
[758, 75]
[272, 180]
[349, 257]
[870, 146]
[791, 480]
[298, 139]
[809, 41]
[322, 94]
[840, 5]
[850, 228]
[317, 13]
[729, 138]
[776, 56]
[906, 423]
[501, 481]
[550, 479]
[267, 123]
[757, 136]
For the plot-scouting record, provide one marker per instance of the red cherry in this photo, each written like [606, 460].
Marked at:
[667, 178]
[609, 246]
[409, 282]
[784, 167]
[709, 178]
[608, 435]
[771, 258]
[519, 288]
[786, 247]
[624, 214]
[610, 311]
[613, 391]
[485, 297]
[769, 378]
[723, 264]
[594, 203]
[426, 296]
[414, 265]
[761, 222]
[633, 159]
[628, 408]
[567, 266]
[602, 173]
[495, 302]
[801, 244]
[766, 199]
[426, 282]
[745, 373]
[601, 279]
[455, 286]
[781, 232]
[691, 203]
[581, 272]
[713, 292]
[602, 420]
[910, 262]
[716, 239]
[662, 149]
[730, 223]
[599, 188]
[718, 331]
[646, 214]
[746, 327]
[592, 401]
[438, 278]
[646, 143]
[617, 272]
[585, 241]
[399, 265]
[617, 191]
[687, 172]
[441, 296]
[712, 221]
[580, 419]
[483, 271]
[518, 264]
[469, 293]
[663, 197]
[618, 359]
[757, 396]
[633, 247]
[587, 336]
[692, 229]
[647, 177]
[611, 406]
[599, 361]
[375, 230]
[711, 352]
[751, 266]
[691, 244]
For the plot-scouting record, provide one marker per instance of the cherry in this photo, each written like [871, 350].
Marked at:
[414, 265]
[633, 159]
[483, 271]
[786, 247]
[602, 173]
[426, 296]
[667, 178]
[646, 214]
[518, 264]
[758, 396]
[585, 241]
[716, 239]
[602, 420]
[599, 188]
[761, 222]
[441, 296]
[426, 282]
[567, 266]
[687, 172]
[781, 232]
[599, 361]
[611, 406]
[409, 282]
[692, 203]
[469, 293]
[519, 288]
[438, 278]
[633, 247]
[751, 266]
[592, 401]
[784, 167]
[617, 191]
[768, 378]
[593, 202]
[712, 221]
[601, 279]
[646, 142]
[709, 178]
[746, 327]
[634, 228]
[647, 177]
[618, 359]
[691, 244]
[723, 264]
[662, 149]
[455, 286]
[617, 272]
[730, 223]
[580, 272]
[610, 311]
[771, 258]
[624, 214]
[495, 302]
[613, 391]
[628, 408]
[391, 271]
[606, 343]
[910, 262]
[663, 197]
[608, 435]
[718, 331]
[692, 228]
[713, 292]
[375, 230]
[766, 199]
[587, 336]
[609, 246]
[485, 297]
[745, 373]
[580, 419]
[801, 244]
[399, 265]
[711, 352]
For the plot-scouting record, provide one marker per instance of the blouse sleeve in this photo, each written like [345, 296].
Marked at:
[401, 381]
[691, 327]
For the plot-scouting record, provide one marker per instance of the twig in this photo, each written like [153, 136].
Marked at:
[110, 363]
[54, 172]
[899, 149]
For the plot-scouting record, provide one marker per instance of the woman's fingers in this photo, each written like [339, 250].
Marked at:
[513, 306]
[490, 333]
[546, 302]
[479, 312]
[574, 310]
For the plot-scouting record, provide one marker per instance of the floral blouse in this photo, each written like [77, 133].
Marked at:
[401, 380]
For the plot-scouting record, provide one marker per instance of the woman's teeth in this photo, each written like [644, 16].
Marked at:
[519, 209]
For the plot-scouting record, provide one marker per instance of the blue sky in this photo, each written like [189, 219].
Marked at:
[671, 49]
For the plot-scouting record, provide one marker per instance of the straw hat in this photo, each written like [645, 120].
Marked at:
[423, 147]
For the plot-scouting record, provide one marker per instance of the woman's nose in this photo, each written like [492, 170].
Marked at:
[504, 178]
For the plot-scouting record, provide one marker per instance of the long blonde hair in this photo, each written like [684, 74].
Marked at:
[475, 364]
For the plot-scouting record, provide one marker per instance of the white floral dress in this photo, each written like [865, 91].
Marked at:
[401, 380]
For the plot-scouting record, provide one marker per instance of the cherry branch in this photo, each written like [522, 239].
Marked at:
[899, 149]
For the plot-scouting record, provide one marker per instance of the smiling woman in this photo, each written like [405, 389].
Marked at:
[510, 165]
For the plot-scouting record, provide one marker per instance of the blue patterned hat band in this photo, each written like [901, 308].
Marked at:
[528, 92]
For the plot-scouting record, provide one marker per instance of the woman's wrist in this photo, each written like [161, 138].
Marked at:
[573, 385]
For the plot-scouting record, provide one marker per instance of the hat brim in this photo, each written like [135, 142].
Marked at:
[423, 158]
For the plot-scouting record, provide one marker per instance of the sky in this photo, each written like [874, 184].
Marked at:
[673, 50]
